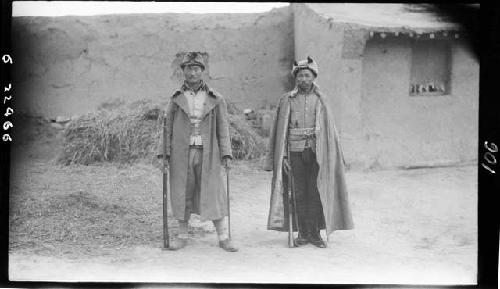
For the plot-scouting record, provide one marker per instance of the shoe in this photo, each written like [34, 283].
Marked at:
[316, 240]
[228, 246]
[302, 239]
[319, 243]
[177, 244]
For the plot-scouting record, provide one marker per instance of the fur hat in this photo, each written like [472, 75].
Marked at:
[193, 58]
[308, 63]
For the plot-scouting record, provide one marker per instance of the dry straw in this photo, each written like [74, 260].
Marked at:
[129, 133]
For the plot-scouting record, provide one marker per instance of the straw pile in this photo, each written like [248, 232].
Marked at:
[245, 141]
[122, 134]
[129, 133]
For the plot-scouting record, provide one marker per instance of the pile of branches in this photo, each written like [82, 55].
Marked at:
[129, 133]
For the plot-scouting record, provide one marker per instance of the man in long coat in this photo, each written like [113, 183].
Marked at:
[197, 144]
[304, 129]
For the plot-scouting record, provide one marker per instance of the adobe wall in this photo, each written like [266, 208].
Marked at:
[339, 76]
[420, 130]
[69, 65]
[367, 82]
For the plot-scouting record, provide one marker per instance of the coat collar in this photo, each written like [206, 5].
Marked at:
[210, 102]
[315, 90]
[204, 86]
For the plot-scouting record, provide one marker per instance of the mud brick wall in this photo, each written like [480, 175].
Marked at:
[367, 83]
[70, 65]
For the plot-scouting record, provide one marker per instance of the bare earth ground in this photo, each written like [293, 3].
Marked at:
[103, 223]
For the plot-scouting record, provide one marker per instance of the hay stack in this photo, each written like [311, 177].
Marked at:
[128, 134]
[124, 134]
[245, 141]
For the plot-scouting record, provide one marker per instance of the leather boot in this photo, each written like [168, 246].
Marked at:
[177, 244]
[302, 239]
[228, 246]
[316, 240]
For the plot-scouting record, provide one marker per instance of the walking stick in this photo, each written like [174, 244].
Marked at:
[228, 206]
[166, 242]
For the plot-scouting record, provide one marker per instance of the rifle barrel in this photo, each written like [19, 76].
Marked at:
[290, 205]
[166, 241]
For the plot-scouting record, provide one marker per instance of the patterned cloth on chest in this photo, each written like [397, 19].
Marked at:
[196, 102]
[302, 121]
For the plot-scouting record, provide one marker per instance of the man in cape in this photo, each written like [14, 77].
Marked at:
[304, 129]
[197, 143]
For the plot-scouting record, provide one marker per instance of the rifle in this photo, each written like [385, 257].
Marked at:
[166, 241]
[292, 213]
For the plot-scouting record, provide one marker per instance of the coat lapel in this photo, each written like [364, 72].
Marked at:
[181, 101]
[210, 103]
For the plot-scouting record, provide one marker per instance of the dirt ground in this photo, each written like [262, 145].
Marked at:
[103, 223]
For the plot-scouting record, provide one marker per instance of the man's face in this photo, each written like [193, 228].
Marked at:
[304, 78]
[192, 73]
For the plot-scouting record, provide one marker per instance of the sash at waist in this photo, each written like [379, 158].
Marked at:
[302, 133]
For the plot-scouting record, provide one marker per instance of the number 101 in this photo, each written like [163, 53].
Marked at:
[489, 156]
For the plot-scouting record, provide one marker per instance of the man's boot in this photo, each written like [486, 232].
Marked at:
[314, 235]
[224, 241]
[316, 240]
[302, 239]
[177, 244]
[228, 246]
[182, 238]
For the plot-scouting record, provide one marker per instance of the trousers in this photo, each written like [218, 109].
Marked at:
[308, 203]
[192, 195]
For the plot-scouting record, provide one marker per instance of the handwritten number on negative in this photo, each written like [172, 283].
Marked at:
[7, 125]
[7, 59]
[489, 156]
[8, 112]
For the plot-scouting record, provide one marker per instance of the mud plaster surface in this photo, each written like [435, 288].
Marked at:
[69, 65]
[367, 83]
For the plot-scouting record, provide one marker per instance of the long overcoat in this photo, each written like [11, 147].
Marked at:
[331, 177]
[215, 136]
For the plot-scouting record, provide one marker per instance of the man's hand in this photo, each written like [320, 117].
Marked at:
[158, 162]
[226, 162]
[286, 166]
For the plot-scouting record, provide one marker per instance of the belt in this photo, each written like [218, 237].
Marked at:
[302, 133]
[196, 146]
